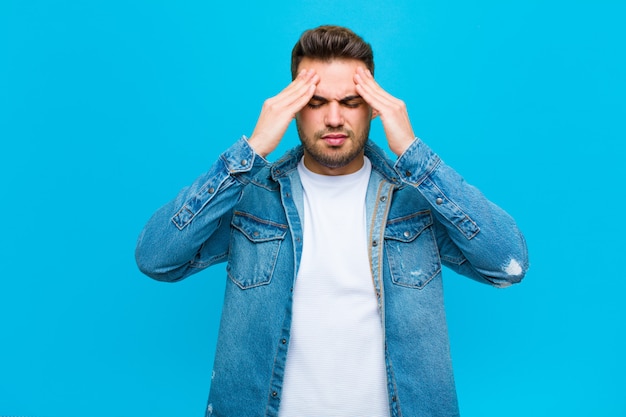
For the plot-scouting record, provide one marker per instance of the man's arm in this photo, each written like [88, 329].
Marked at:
[475, 237]
[192, 231]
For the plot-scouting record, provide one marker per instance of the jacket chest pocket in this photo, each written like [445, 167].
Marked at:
[411, 250]
[254, 249]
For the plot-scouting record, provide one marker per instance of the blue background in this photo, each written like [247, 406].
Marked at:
[108, 108]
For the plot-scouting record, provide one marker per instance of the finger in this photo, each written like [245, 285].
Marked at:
[370, 91]
[304, 78]
[374, 95]
[378, 102]
[299, 92]
[365, 79]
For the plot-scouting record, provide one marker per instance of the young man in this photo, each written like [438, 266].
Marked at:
[334, 303]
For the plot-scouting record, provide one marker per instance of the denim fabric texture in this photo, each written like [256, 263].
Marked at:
[247, 212]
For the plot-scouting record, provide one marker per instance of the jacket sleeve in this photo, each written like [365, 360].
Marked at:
[476, 238]
[192, 231]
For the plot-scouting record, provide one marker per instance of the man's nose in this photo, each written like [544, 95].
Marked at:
[334, 115]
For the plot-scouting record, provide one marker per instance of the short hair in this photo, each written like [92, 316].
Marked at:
[330, 42]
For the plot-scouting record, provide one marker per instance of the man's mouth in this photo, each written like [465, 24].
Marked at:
[335, 139]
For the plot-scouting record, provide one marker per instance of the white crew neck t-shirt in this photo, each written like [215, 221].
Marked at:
[335, 363]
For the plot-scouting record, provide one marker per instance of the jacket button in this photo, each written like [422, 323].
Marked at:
[375, 243]
[244, 162]
[211, 190]
[407, 173]
[383, 198]
[407, 234]
[439, 201]
[284, 341]
[274, 394]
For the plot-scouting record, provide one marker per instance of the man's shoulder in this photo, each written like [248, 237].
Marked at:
[267, 177]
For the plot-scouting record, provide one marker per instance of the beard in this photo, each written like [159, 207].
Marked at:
[335, 156]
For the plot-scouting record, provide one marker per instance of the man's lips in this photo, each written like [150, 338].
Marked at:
[335, 139]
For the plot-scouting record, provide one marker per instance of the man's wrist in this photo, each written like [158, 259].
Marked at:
[400, 148]
[258, 147]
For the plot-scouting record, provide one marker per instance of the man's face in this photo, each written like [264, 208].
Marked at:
[335, 124]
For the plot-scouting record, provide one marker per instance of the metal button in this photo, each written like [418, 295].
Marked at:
[211, 190]
[274, 394]
[407, 234]
[383, 198]
[439, 201]
[375, 243]
[244, 162]
[284, 341]
[255, 234]
[408, 173]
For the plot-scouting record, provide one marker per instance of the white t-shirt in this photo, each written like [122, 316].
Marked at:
[335, 363]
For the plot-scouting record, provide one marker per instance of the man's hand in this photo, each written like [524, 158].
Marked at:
[391, 110]
[278, 111]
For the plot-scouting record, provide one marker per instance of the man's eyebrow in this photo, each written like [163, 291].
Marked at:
[350, 98]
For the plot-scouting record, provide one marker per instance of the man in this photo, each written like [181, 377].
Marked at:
[334, 303]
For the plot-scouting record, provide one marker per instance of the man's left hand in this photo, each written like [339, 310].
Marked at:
[391, 110]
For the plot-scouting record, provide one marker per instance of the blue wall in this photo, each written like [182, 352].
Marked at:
[107, 108]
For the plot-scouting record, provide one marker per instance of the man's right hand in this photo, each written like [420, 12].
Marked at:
[278, 111]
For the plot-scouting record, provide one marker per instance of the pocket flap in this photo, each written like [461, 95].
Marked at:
[408, 228]
[256, 229]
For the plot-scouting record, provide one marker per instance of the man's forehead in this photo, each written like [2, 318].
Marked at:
[335, 91]
[336, 77]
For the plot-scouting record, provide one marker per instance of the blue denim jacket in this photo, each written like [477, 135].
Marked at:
[249, 213]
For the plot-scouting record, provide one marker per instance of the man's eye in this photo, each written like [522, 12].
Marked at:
[314, 105]
[353, 104]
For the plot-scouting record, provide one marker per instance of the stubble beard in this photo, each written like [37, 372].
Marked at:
[334, 157]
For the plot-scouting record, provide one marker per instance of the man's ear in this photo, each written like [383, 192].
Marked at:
[374, 114]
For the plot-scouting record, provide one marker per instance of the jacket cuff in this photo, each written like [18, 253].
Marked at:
[241, 158]
[416, 163]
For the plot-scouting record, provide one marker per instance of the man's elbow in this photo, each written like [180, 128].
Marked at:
[512, 272]
[149, 264]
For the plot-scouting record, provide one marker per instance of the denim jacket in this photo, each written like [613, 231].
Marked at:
[248, 213]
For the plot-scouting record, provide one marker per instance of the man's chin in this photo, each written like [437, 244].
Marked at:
[334, 157]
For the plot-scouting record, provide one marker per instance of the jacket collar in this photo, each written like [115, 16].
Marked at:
[380, 162]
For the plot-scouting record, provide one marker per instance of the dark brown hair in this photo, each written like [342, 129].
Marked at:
[328, 42]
